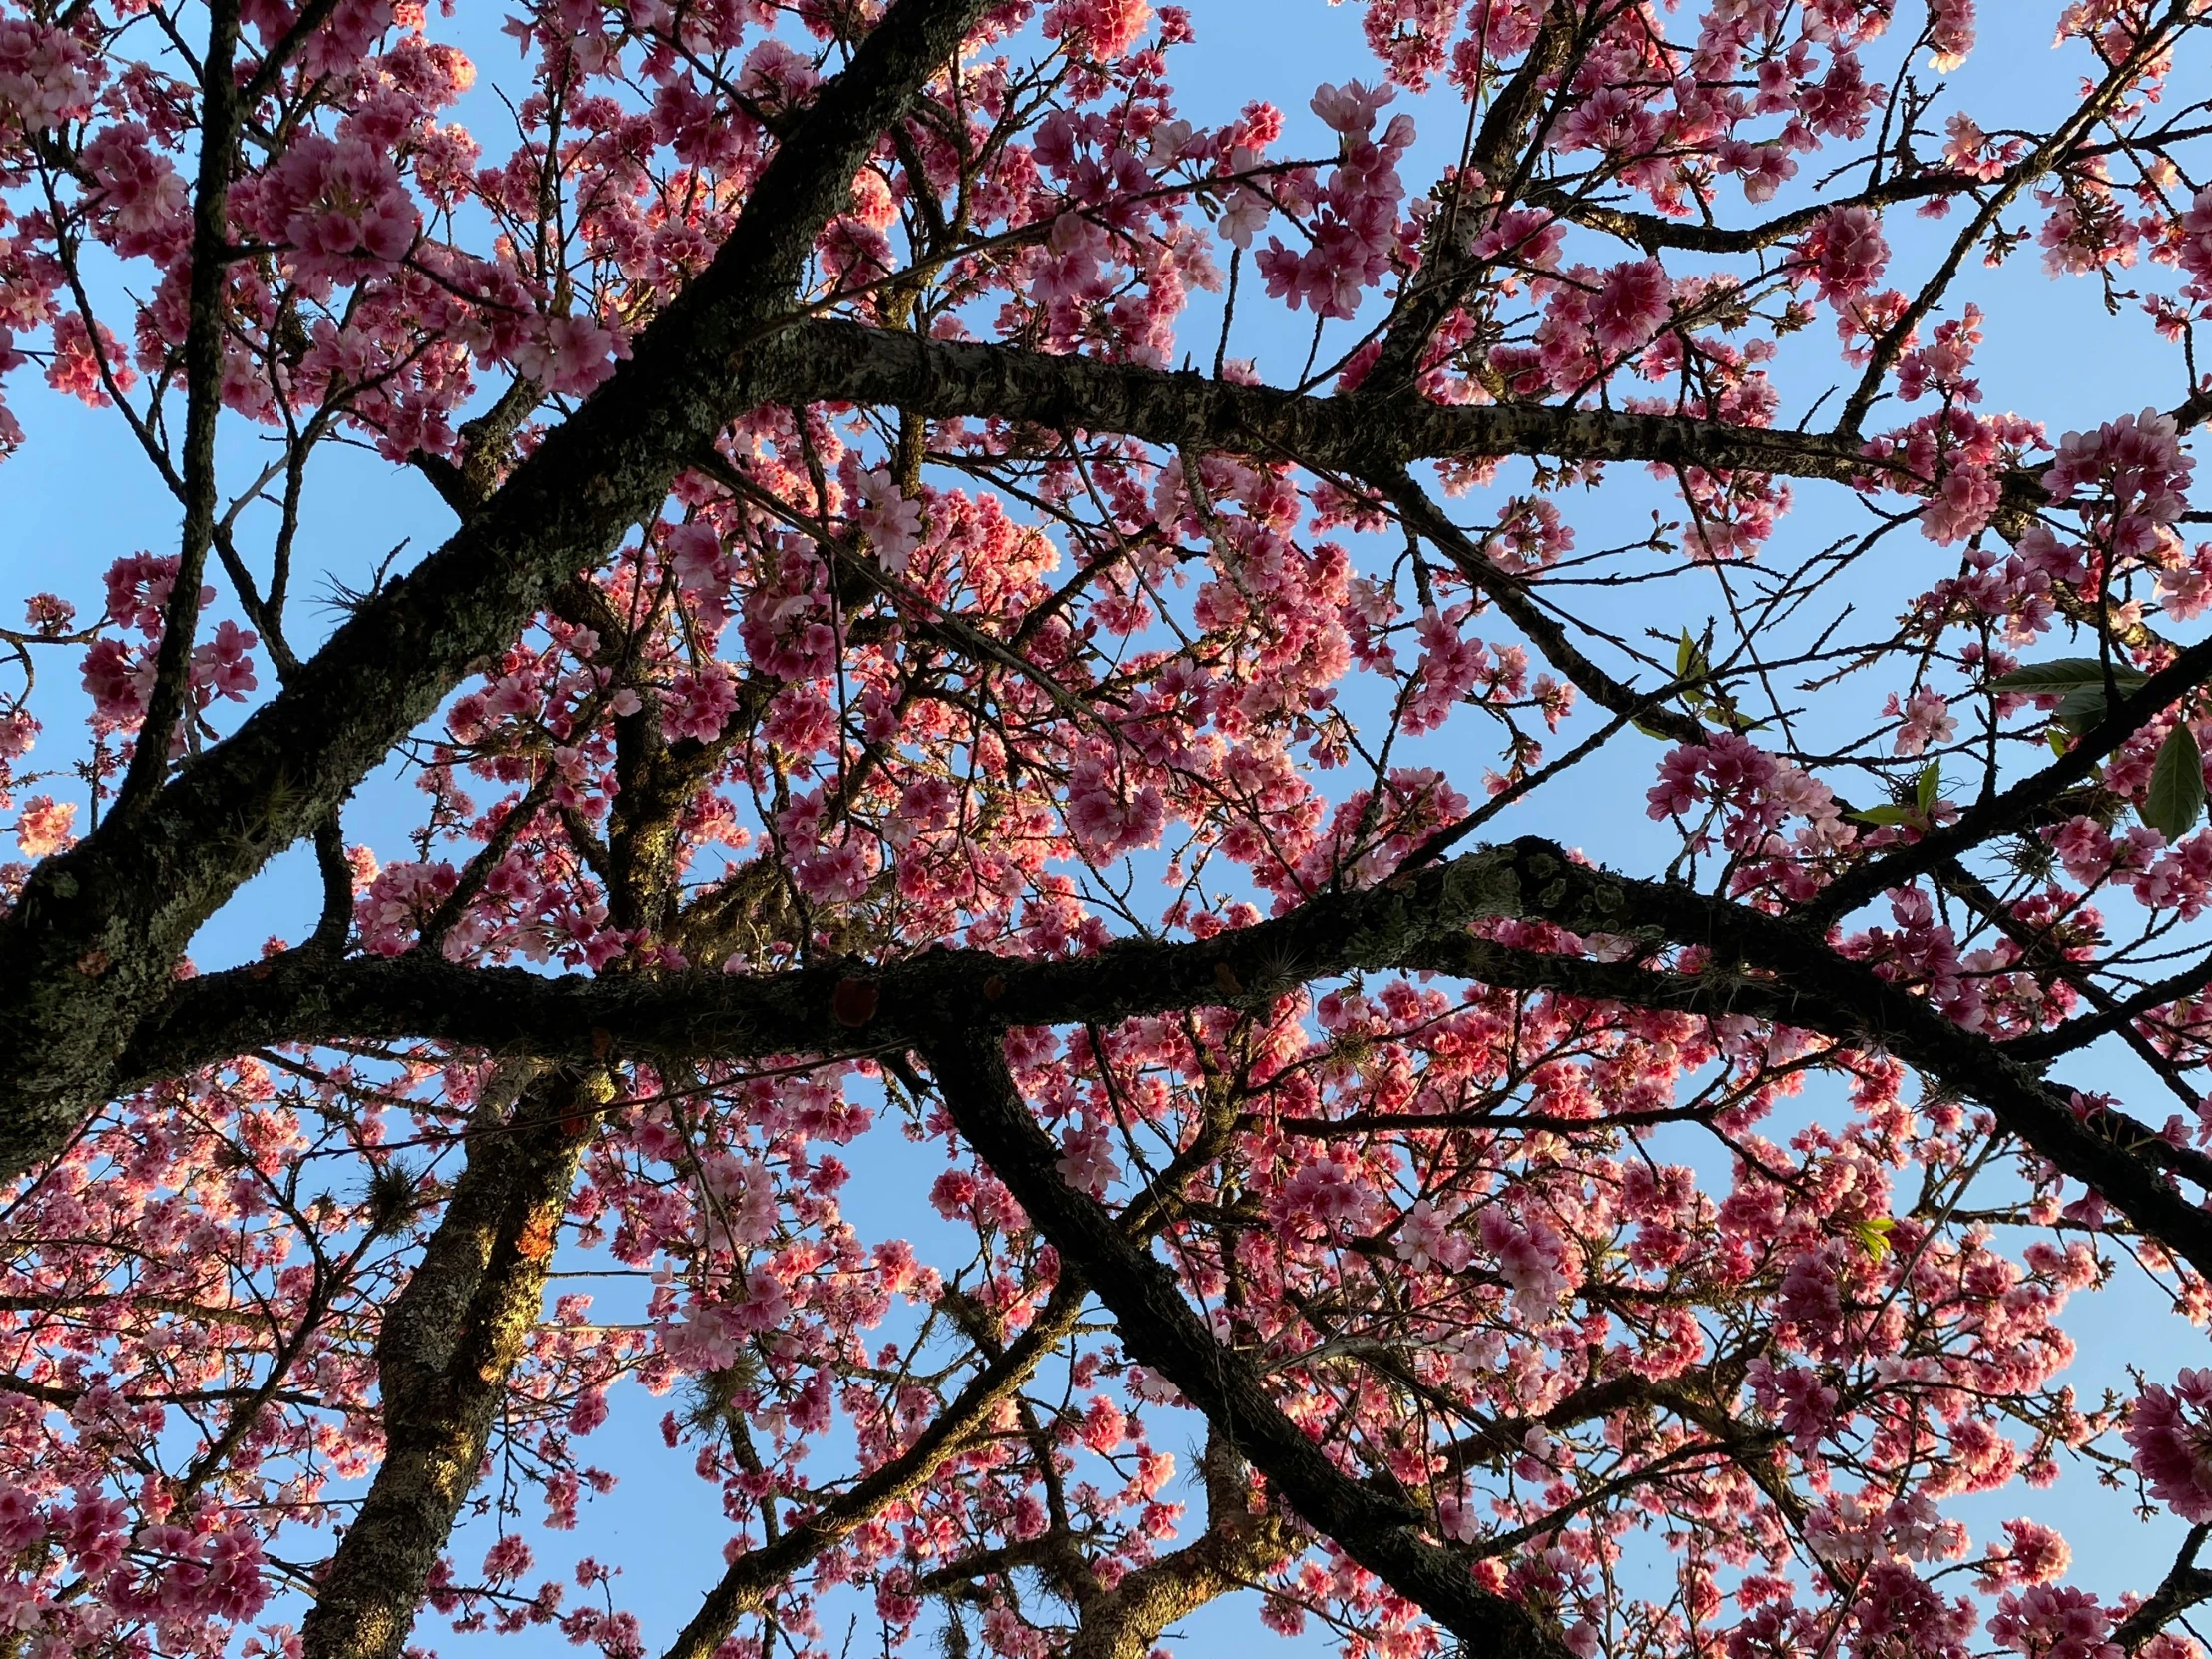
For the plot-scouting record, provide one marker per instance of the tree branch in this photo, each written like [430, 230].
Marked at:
[848, 362]
[91, 943]
[443, 1356]
[1158, 1328]
[167, 697]
[2185, 1585]
[2016, 806]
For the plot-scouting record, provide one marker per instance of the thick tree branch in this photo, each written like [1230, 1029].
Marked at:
[1414, 920]
[93, 939]
[1237, 1548]
[1497, 167]
[840, 1008]
[1652, 231]
[849, 362]
[443, 1356]
[2185, 1585]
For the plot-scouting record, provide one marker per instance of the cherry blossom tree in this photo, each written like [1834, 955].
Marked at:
[899, 685]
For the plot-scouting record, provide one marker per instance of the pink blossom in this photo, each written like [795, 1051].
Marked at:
[44, 76]
[2053, 1622]
[892, 522]
[1107, 817]
[1425, 1239]
[2032, 1553]
[1086, 1160]
[1352, 108]
[706, 1340]
[118, 681]
[22, 1525]
[1323, 1195]
[1104, 1425]
[1103, 28]
[221, 668]
[87, 361]
[49, 614]
[1846, 253]
[1951, 32]
[737, 1202]
[141, 193]
[341, 208]
[2140, 469]
[1927, 721]
[41, 826]
[1963, 503]
[1356, 232]
[2185, 591]
[698, 702]
[508, 1559]
[1532, 1260]
[2171, 1433]
[573, 356]
[1630, 306]
[836, 875]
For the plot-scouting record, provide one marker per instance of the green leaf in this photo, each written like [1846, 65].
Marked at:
[2063, 674]
[1927, 786]
[1884, 814]
[1690, 664]
[2057, 741]
[2078, 683]
[1689, 661]
[2080, 708]
[2176, 799]
[1874, 1235]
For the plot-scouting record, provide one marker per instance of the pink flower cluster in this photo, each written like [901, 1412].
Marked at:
[339, 206]
[2140, 473]
[119, 677]
[1354, 230]
[1754, 790]
[2170, 1432]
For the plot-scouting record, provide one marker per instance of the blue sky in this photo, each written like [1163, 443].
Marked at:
[77, 496]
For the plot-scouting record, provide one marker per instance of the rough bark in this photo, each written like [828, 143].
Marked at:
[444, 1355]
[1412, 922]
[2185, 1585]
[203, 365]
[1237, 1548]
[300, 998]
[848, 362]
[91, 942]
[1492, 177]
